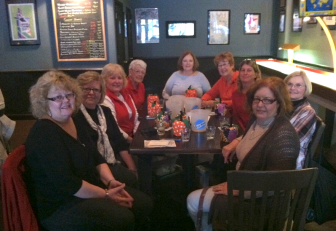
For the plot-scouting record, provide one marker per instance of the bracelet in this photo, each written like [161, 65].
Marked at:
[106, 194]
[108, 184]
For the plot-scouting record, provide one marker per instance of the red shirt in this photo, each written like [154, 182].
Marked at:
[223, 90]
[137, 94]
[241, 115]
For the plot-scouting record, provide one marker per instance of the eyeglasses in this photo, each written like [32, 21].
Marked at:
[60, 98]
[297, 85]
[264, 101]
[139, 71]
[87, 90]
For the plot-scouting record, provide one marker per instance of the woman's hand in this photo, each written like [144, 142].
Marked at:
[220, 189]
[129, 139]
[119, 195]
[208, 103]
[228, 151]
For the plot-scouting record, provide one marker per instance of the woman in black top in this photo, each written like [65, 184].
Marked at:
[70, 185]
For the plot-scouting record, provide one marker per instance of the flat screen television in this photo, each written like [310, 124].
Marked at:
[311, 8]
[181, 29]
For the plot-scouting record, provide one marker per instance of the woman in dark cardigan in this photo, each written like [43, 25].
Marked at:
[269, 143]
[98, 122]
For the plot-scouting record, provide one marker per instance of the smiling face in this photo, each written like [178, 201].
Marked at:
[60, 111]
[188, 63]
[137, 74]
[225, 69]
[296, 88]
[247, 74]
[91, 94]
[115, 83]
[262, 111]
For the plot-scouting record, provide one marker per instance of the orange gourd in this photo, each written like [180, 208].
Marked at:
[190, 92]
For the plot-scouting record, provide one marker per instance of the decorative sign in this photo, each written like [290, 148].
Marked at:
[79, 30]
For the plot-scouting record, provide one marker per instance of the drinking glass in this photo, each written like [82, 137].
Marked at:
[210, 132]
[160, 129]
[185, 134]
[224, 121]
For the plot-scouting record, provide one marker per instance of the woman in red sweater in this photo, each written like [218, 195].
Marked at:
[119, 101]
[227, 83]
[249, 73]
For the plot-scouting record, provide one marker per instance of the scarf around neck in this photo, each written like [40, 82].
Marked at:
[103, 143]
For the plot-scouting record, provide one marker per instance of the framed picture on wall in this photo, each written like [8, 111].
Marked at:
[22, 22]
[218, 27]
[282, 21]
[252, 23]
[297, 24]
[282, 3]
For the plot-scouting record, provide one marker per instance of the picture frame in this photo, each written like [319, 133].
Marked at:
[282, 3]
[181, 29]
[22, 22]
[218, 27]
[252, 23]
[282, 21]
[297, 24]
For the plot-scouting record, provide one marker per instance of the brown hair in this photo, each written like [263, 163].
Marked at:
[180, 60]
[279, 90]
[252, 63]
[227, 55]
[90, 76]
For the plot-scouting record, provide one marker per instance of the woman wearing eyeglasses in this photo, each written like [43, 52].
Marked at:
[303, 116]
[70, 185]
[227, 83]
[269, 143]
[98, 121]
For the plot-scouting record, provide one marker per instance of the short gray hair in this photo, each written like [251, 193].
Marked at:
[136, 62]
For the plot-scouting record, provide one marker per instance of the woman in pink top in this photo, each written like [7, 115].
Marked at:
[226, 84]
[249, 73]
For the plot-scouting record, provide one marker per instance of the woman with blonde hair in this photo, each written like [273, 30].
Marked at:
[119, 100]
[70, 185]
[303, 116]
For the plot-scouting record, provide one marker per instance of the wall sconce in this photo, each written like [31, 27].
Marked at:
[290, 49]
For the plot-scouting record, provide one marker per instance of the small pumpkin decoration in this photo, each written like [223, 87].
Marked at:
[179, 123]
[151, 98]
[153, 109]
[190, 92]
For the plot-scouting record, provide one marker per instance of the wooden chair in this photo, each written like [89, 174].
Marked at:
[317, 141]
[18, 214]
[282, 206]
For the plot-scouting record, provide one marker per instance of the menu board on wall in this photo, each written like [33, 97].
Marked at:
[79, 30]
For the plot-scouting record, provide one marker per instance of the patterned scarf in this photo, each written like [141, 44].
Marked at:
[103, 143]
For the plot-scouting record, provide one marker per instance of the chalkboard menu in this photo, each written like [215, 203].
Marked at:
[79, 30]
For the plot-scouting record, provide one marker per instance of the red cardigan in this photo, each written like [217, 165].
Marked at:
[124, 122]
[137, 94]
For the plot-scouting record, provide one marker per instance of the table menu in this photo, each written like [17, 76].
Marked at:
[79, 30]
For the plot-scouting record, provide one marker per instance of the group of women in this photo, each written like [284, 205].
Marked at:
[81, 174]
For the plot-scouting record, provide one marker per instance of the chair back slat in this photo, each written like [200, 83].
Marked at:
[285, 197]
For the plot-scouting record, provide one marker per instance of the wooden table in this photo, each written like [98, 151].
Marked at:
[198, 144]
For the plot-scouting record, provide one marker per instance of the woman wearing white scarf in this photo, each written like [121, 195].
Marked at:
[98, 122]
